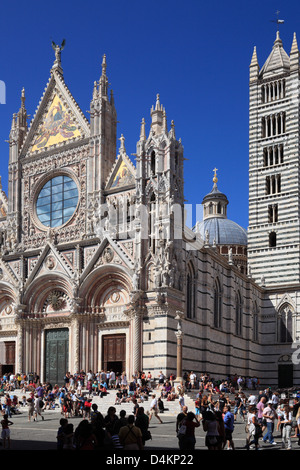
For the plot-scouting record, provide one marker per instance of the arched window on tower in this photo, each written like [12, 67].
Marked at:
[285, 325]
[190, 292]
[152, 231]
[217, 305]
[238, 314]
[153, 163]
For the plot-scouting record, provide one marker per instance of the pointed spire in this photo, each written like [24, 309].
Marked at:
[157, 105]
[104, 65]
[254, 67]
[294, 55]
[294, 47]
[157, 117]
[103, 83]
[165, 127]
[22, 119]
[95, 91]
[277, 41]
[143, 130]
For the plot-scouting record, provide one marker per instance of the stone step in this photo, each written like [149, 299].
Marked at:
[172, 408]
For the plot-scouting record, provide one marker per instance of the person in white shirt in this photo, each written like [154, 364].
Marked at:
[192, 379]
[252, 400]
[286, 421]
[112, 379]
[275, 400]
[154, 409]
[181, 401]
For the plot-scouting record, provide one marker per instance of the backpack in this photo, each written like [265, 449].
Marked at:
[182, 430]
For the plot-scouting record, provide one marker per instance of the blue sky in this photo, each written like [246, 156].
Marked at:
[195, 54]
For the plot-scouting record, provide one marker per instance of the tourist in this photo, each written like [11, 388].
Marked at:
[30, 408]
[131, 436]
[84, 438]
[252, 399]
[5, 434]
[269, 415]
[221, 402]
[112, 426]
[296, 421]
[187, 438]
[60, 433]
[180, 417]
[38, 408]
[193, 378]
[229, 427]
[68, 437]
[154, 409]
[142, 422]
[7, 404]
[260, 408]
[253, 428]
[286, 422]
[275, 400]
[211, 427]
[240, 383]
[221, 438]
[198, 408]
[181, 401]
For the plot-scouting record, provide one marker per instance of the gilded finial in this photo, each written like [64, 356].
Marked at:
[215, 179]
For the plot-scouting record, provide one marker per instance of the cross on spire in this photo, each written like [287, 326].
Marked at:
[277, 21]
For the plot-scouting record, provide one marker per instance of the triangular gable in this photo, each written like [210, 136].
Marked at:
[7, 274]
[49, 262]
[58, 119]
[122, 175]
[286, 299]
[107, 252]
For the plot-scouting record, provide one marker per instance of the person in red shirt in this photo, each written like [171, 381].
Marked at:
[188, 439]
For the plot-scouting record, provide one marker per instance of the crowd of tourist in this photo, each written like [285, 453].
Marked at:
[218, 406]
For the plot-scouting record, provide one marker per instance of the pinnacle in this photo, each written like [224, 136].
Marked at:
[294, 45]
[254, 60]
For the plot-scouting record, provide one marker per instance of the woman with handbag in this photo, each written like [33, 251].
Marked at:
[142, 422]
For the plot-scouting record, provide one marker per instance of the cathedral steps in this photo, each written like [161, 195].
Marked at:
[172, 408]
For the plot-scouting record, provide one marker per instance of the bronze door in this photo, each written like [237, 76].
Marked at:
[114, 353]
[10, 356]
[56, 355]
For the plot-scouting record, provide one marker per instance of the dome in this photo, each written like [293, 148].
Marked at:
[222, 231]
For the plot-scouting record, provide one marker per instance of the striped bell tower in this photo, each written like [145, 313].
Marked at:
[274, 189]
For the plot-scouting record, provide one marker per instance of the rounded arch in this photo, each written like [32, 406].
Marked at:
[35, 296]
[8, 297]
[102, 282]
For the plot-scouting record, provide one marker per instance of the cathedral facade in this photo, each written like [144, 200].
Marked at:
[97, 267]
